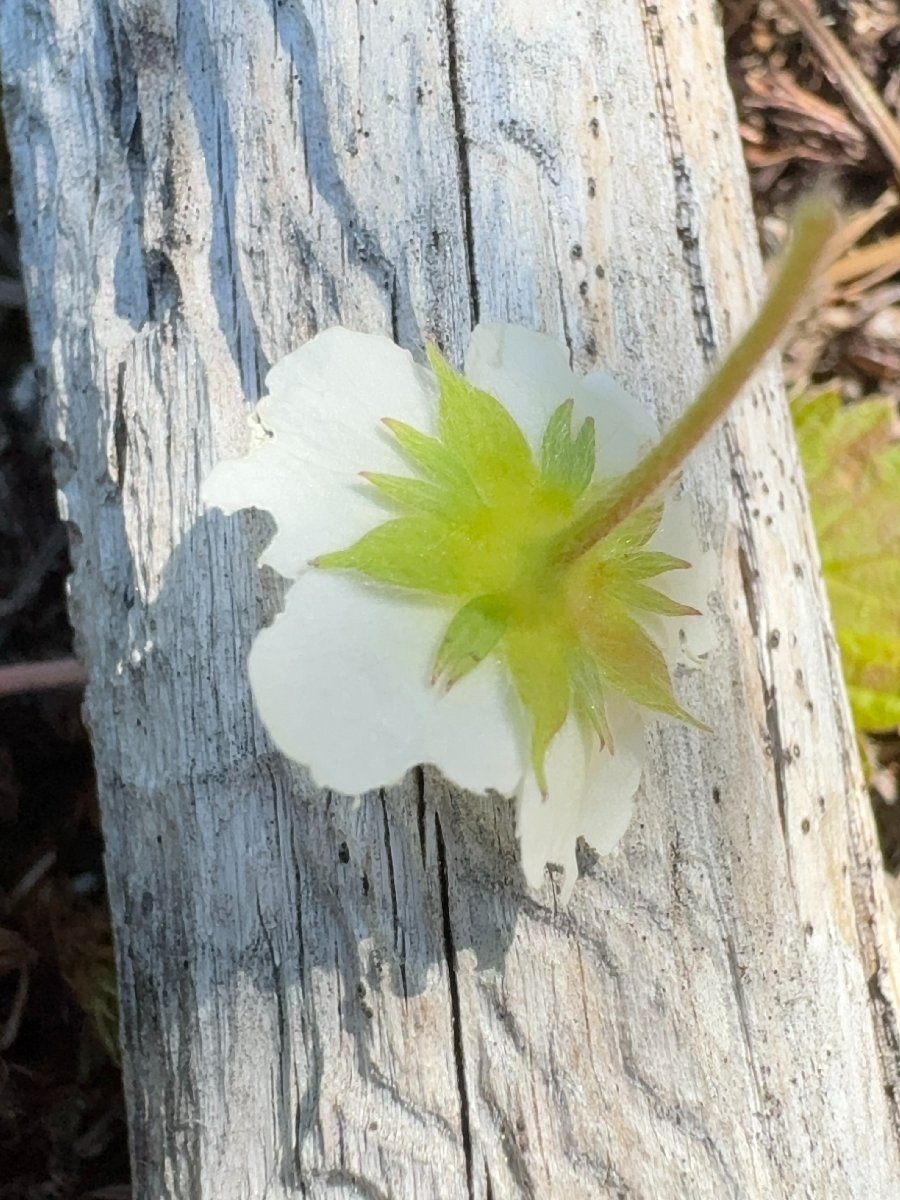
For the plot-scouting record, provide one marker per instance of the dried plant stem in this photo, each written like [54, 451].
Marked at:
[41, 676]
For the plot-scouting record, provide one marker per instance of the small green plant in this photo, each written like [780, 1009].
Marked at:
[851, 456]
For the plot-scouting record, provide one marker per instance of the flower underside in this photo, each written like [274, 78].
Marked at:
[483, 525]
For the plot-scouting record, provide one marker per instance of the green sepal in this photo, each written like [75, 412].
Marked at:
[633, 533]
[479, 524]
[648, 599]
[647, 564]
[472, 634]
[433, 458]
[588, 696]
[567, 461]
[476, 427]
[421, 553]
[422, 496]
[629, 661]
[539, 667]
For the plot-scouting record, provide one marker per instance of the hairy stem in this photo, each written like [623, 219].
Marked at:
[814, 223]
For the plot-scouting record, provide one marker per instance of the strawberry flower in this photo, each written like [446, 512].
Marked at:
[437, 613]
[484, 577]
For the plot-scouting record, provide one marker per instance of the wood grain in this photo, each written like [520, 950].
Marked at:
[319, 1000]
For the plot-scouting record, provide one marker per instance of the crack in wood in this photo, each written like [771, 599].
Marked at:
[887, 1035]
[459, 1057]
[399, 948]
[462, 158]
[361, 1185]
[773, 727]
[780, 757]
[120, 428]
[281, 1101]
[749, 571]
[687, 222]
[511, 1132]
[418, 776]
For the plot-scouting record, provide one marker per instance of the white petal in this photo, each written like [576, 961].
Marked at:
[323, 416]
[549, 828]
[529, 374]
[624, 429]
[689, 639]
[612, 780]
[341, 680]
[590, 795]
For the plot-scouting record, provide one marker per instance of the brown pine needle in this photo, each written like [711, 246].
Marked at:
[861, 97]
[883, 255]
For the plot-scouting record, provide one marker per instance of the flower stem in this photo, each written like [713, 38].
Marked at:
[814, 223]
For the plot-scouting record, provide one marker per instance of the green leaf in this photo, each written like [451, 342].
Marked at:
[411, 552]
[873, 663]
[541, 675]
[851, 455]
[477, 428]
[568, 461]
[472, 634]
[629, 661]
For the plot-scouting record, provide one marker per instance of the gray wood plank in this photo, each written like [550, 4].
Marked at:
[320, 1000]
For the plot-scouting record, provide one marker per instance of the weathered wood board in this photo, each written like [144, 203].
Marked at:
[319, 1000]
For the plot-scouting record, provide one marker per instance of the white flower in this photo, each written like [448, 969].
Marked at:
[342, 677]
